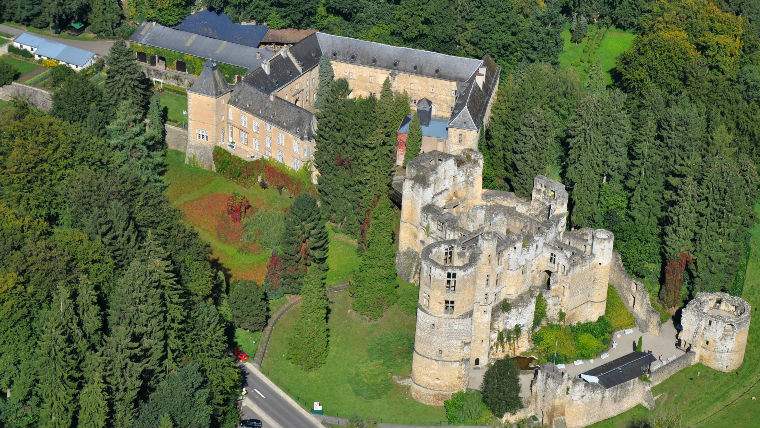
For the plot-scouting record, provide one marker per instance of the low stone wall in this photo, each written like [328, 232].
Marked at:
[177, 78]
[635, 297]
[176, 138]
[670, 368]
[39, 98]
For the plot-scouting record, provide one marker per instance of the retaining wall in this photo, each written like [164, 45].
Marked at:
[635, 297]
[177, 78]
[661, 373]
[176, 138]
[39, 98]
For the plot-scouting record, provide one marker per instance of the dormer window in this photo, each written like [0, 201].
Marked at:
[353, 57]
[415, 67]
[374, 60]
[335, 54]
[437, 70]
[395, 63]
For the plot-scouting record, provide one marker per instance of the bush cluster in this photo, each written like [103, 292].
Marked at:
[562, 344]
[20, 52]
[467, 408]
[264, 172]
[8, 73]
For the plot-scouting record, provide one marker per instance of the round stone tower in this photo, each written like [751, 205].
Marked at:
[715, 327]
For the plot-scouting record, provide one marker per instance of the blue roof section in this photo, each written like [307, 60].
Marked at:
[219, 26]
[438, 127]
[56, 50]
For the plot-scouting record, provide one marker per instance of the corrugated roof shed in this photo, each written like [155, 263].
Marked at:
[220, 26]
[56, 50]
[153, 34]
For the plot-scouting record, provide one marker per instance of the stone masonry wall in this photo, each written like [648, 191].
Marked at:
[659, 374]
[635, 297]
[39, 98]
[172, 77]
[176, 138]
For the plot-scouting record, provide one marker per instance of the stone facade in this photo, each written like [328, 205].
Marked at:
[715, 328]
[471, 249]
[39, 98]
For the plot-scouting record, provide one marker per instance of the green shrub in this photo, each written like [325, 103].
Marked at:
[8, 73]
[370, 380]
[540, 312]
[562, 344]
[265, 227]
[393, 349]
[20, 52]
[59, 73]
[501, 387]
[467, 408]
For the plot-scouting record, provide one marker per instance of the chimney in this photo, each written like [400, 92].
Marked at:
[258, 54]
[480, 76]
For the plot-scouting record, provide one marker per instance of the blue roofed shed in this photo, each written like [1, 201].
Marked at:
[437, 127]
[219, 26]
[44, 48]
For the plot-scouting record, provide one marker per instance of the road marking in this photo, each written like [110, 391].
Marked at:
[259, 392]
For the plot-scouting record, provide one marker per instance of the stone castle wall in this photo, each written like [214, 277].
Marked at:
[39, 98]
[635, 297]
[667, 370]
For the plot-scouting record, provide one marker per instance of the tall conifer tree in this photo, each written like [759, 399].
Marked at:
[309, 340]
[305, 242]
[125, 80]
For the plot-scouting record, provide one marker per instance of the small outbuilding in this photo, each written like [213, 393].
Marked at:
[43, 48]
[620, 370]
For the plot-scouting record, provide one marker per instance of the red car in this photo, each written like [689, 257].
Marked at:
[240, 355]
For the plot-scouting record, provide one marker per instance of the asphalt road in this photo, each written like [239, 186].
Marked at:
[265, 401]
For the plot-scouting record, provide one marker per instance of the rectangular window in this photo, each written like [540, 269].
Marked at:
[296, 164]
[244, 120]
[451, 282]
[295, 147]
[268, 142]
[448, 255]
[229, 114]
[255, 126]
[244, 137]
[306, 152]
[269, 126]
[448, 306]
[280, 157]
[202, 135]
[552, 258]
[280, 139]
[255, 144]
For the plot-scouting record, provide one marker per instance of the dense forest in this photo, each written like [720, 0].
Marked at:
[111, 311]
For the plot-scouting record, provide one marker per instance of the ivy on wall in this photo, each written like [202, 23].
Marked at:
[193, 64]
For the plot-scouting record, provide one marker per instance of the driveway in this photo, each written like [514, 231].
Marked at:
[100, 47]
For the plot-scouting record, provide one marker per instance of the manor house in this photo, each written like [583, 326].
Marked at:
[269, 113]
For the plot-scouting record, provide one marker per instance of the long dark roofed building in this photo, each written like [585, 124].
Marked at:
[620, 370]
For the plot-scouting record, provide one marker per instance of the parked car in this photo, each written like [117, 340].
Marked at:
[240, 355]
[250, 423]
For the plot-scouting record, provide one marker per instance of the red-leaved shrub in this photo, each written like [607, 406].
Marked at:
[237, 207]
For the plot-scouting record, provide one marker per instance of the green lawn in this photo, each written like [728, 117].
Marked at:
[176, 104]
[708, 398]
[22, 66]
[601, 46]
[342, 258]
[247, 341]
[350, 335]
[41, 81]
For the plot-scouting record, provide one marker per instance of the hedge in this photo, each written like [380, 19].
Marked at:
[263, 172]
[21, 52]
[194, 64]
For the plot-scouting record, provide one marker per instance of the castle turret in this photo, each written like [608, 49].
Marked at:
[206, 115]
[715, 328]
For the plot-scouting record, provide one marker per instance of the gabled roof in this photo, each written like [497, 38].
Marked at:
[56, 50]
[153, 34]
[622, 369]
[219, 26]
[407, 60]
[472, 97]
[210, 82]
[275, 110]
[286, 36]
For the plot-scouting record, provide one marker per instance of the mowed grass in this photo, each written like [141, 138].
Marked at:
[704, 397]
[22, 66]
[247, 341]
[342, 259]
[601, 46]
[350, 335]
[188, 185]
[176, 105]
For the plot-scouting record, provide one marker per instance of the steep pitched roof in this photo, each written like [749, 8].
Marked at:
[153, 34]
[275, 110]
[407, 60]
[220, 26]
[472, 97]
[56, 50]
[210, 82]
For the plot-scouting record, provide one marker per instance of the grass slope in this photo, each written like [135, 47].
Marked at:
[350, 336]
[704, 397]
[176, 104]
[342, 259]
[601, 46]
[23, 67]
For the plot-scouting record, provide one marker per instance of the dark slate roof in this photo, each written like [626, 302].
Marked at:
[388, 57]
[472, 99]
[153, 34]
[275, 110]
[623, 369]
[210, 82]
[424, 111]
[282, 70]
[220, 26]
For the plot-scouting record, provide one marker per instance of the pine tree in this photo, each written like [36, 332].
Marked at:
[126, 135]
[534, 137]
[89, 314]
[374, 284]
[413, 139]
[125, 80]
[155, 161]
[308, 345]
[105, 17]
[305, 242]
[93, 403]
[59, 358]
[249, 305]
[326, 77]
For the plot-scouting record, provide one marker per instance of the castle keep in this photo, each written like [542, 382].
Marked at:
[471, 249]
[269, 113]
